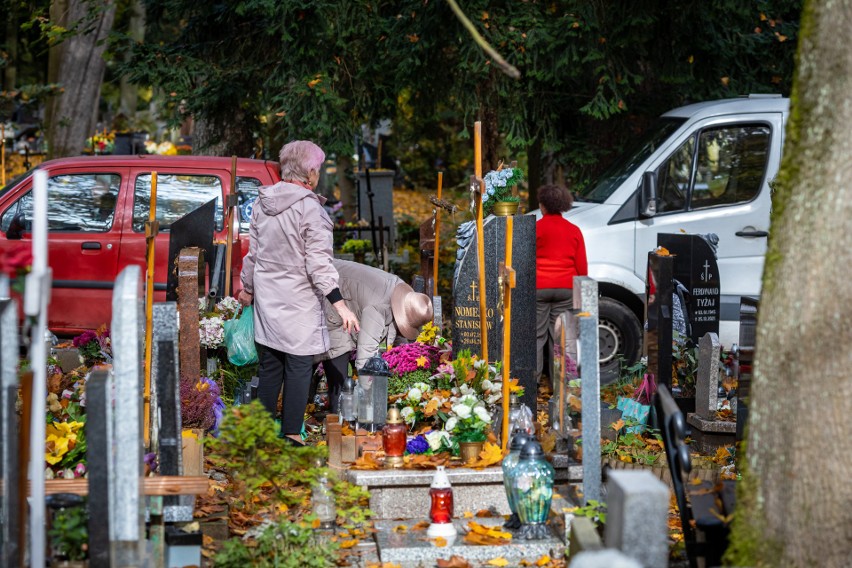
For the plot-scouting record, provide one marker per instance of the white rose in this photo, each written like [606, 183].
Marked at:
[482, 414]
[487, 385]
[465, 390]
[406, 412]
[462, 411]
[491, 399]
[451, 423]
[414, 394]
[434, 438]
[468, 399]
[422, 386]
[479, 363]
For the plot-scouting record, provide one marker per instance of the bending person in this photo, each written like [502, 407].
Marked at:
[386, 307]
[286, 273]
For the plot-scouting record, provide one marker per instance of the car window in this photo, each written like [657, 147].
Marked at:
[246, 194]
[673, 179]
[731, 165]
[75, 203]
[177, 195]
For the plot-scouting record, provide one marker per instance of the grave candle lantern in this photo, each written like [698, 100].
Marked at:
[519, 440]
[441, 510]
[373, 395]
[532, 491]
[393, 438]
[347, 402]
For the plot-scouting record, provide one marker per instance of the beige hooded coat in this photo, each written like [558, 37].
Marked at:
[367, 292]
[288, 269]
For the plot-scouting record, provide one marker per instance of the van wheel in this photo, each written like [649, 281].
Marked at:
[620, 337]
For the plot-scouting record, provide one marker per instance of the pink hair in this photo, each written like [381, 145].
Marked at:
[299, 158]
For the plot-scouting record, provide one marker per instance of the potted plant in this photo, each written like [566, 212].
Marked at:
[499, 196]
[469, 421]
[69, 537]
[357, 248]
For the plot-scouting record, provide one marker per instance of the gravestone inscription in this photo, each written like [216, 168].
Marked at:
[696, 268]
[465, 316]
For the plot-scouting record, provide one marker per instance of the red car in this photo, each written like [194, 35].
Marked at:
[97, 208]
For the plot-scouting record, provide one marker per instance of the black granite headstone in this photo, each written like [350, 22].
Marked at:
[465, 317]
[695, 267]
[658, 338]
[194, 229]
[168, 394]
[98, 454]
[745, 360]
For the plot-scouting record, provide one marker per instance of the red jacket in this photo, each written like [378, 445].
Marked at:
[560, 252]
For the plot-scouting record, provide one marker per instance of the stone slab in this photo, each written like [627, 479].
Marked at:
[715, 426]
[413, 548]
[637, 514]
[567, 469]
[404, 494]
[68, 358]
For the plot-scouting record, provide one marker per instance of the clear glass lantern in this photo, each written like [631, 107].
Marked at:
[394, 438]
[520, 418]
[532, 491]
[322, 501]
[441, 509]
[347, 405]
[373, 394]
[509, 463]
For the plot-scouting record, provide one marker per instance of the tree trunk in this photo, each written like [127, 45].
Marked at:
[793, 506]
[345, 182]
[229, 137]
[80, 73]
[129, 92]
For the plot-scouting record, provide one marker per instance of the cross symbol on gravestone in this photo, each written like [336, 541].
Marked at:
[706, 275]
[473, 296]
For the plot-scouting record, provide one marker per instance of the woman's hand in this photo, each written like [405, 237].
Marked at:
[245, 298]
[350, 322]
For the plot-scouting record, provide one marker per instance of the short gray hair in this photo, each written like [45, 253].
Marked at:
[298, 158]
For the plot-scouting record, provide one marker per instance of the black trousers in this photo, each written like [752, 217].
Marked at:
[294, 373]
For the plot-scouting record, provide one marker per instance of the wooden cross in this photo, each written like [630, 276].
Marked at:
[152, 229]
[506, 280]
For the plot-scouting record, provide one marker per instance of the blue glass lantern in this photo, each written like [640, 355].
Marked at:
[509, 462]
[532, 491]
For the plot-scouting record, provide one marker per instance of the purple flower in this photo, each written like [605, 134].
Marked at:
[403, 358]
[84, 338]
[417, 445]
[80, 470]
[151, 461]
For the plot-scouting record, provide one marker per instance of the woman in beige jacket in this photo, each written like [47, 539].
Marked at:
[385, 307]
[287, 273]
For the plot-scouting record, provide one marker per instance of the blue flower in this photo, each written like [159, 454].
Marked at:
[417, 445]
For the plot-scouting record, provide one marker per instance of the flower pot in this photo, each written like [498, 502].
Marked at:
[506, 208]
[469, 451]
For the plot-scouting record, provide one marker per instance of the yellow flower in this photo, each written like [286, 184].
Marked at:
[422, 361]
[56, 448]
[66, 430]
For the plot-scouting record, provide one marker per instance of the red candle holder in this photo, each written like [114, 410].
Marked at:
[441, 510]
[394, 438]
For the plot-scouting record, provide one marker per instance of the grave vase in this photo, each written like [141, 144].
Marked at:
[506, 208]
[469, 451]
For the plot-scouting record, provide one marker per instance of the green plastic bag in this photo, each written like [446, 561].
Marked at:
[239, 337]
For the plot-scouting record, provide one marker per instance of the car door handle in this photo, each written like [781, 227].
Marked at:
[752, 233]
[91, 246]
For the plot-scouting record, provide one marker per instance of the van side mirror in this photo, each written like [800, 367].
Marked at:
[648, 195]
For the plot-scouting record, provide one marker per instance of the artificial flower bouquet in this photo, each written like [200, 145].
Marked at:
[469, 419]
[211, 324]
[94, 347]
[498, 186]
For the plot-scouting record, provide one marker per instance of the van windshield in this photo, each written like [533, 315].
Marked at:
[599, 190]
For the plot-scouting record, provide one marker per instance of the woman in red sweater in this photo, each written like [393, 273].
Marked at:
[560, 254]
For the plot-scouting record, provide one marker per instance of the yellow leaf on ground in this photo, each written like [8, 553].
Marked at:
[543, 560]
[491, 454]
[467, 515]
[367, 461]
[617, 425]
[349, 543]
[400, 529]
[440, 541]
[453, 562]
[498, 562]
[315, 524]
[422, 525]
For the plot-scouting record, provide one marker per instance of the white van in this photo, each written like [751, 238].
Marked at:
[703, 168]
